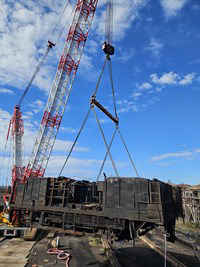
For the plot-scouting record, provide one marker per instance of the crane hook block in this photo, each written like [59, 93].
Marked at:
[50, 44]
[108, 49]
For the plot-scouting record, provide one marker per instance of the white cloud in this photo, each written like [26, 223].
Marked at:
[30, 133]
[172, 7]
[126, 55]
[144, 86]
[195, 7]
[37, 106]
[195, 61]
[135, 95]
[6, 91]
[169, 78]
[186, 154]
[29, 113]
[165, 79]
[104, 121]
[25, 28]
[187, 79]
[4, 115]
[155, 47]
[67, 130]
[87, 68]
[65, 146]
[126, 106]
[125, 12]
[92, 46]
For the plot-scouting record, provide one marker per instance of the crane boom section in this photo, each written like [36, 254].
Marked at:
[61, 88]
[17, 138]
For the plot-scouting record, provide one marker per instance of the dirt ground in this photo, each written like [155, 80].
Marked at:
[82, 254]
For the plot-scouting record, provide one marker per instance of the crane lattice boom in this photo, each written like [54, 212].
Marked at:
[17, 131]
[61, 88]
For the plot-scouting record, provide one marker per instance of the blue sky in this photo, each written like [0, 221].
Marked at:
[156, 70]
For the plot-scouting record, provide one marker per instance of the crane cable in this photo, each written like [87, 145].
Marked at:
[108, 35]
[128, 153]
[60, 18]
[34, 75]
[61, 32]
[97, 86]
[100, 171]
[82, 126]
[2, 162]
[46, 52]
[8, 168]
[108, 150]
[112, 85]
[116, 129]
[109, 21]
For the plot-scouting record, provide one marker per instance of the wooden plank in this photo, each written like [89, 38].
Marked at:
[14, 252]
[170, 258]
[110, 254]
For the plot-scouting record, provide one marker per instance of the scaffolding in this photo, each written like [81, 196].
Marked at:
[191, 205]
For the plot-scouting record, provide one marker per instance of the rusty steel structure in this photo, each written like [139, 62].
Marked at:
[125, 207]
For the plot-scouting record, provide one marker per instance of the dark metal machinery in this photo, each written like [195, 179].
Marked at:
[125, 207]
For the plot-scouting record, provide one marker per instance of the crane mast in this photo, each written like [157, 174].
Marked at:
[61, 88]
[17, 131]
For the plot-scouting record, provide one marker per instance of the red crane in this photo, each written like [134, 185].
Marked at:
[57, 101]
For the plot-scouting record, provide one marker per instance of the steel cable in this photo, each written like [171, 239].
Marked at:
[97, 86]
[60, 18]
[128, 153]
[109, 21]
[2, 162]
[112, 85]
[45, 54]
[8, 181]
[34, 75]
[106, 154]
[66, 23]
[83, 124]
[112, 161]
